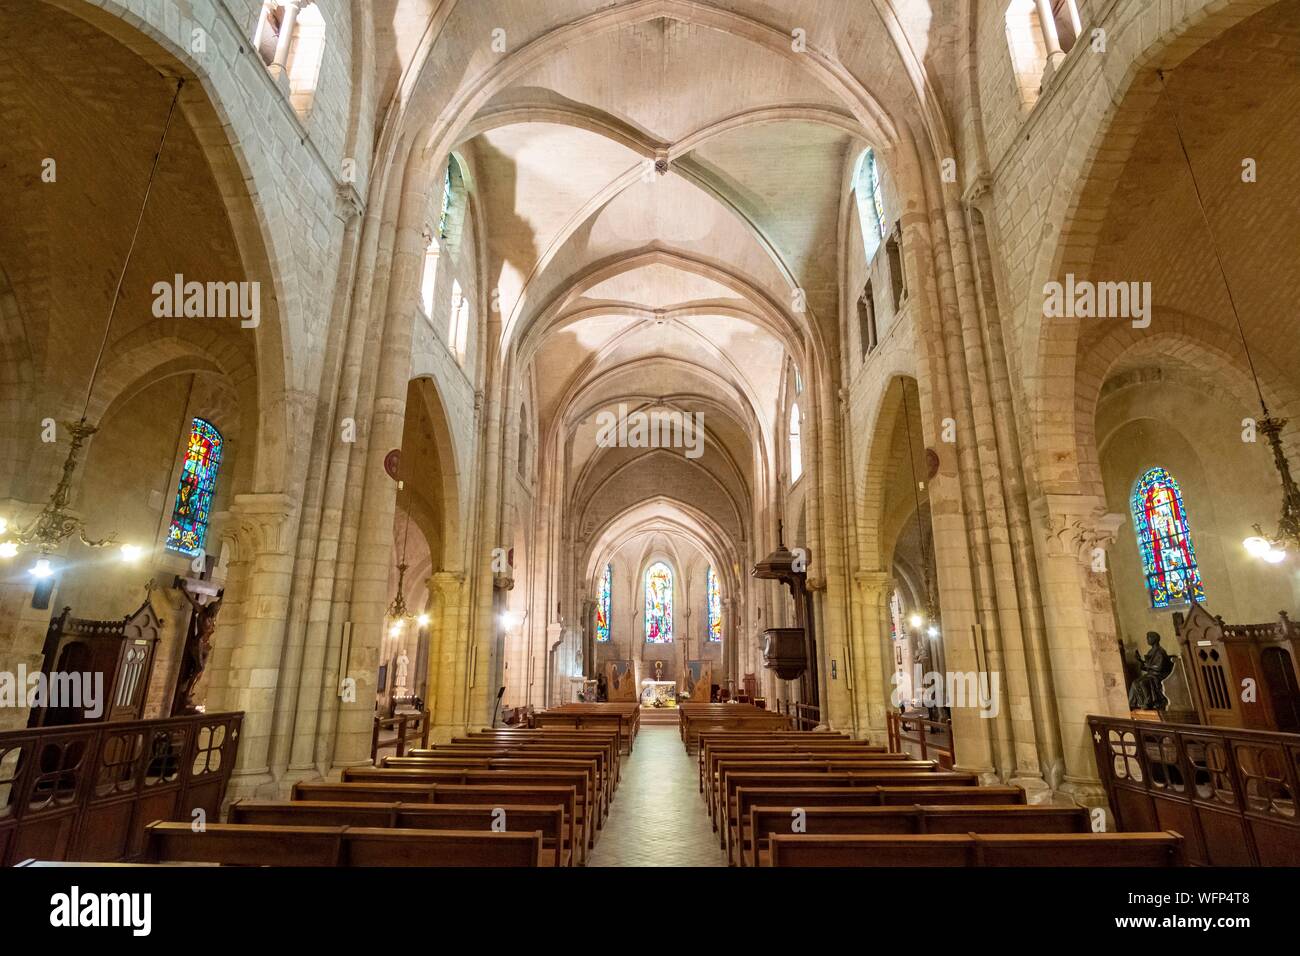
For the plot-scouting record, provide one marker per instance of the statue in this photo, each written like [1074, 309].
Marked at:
[403, 662]
[198, 647]
[1147, 692]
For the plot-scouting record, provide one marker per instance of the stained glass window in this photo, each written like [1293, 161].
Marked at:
[870, 202]
[446, 201]
[189, 525]
[1165, 540]
[659, 604]
[714, 596]
[602, 604]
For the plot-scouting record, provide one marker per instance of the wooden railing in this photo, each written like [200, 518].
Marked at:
[804, 716]
[933, 737]
[86, 792]
[405, 727]
[1231, 793]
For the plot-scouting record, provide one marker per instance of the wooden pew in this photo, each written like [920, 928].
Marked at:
[994, 818]
[622, 718]
[695, 719]
[995, 849]
[492, 748]
[761, 758]
[726, 821]
[549, 821]
[715, 787]
[526, 735]
[587, 799]
[589, 766]
[240, 845]
[708, 748]
[492, 795]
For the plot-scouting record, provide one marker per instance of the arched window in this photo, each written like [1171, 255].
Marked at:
[796, 446]
[451, 182]
[290, 38]
[193, 508]
[1165, 540]
[603, 604]
[659, 604]
[714, 597]
[870, 201]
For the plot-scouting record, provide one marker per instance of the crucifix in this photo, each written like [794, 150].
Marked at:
[205, 599]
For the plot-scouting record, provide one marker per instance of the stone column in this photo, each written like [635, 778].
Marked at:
[448, 646]
[247, 647]
[871, 664]
[280, 63]
[1051, 39]
[22, 632]
[1086, 669]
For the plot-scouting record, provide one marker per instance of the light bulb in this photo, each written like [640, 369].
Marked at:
[933, 631]
[8, 549]
[1274, 556]
[1257, 547]
[916, 620]
[42, 569]
[423, 620]
[131, 552]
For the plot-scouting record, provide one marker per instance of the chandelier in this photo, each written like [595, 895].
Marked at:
[1272, 548]
[398, 613]
[56, 522]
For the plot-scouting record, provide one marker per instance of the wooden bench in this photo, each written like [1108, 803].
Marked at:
[695, 719]
[549, 821]
[716, 786]
[233, 844]
[747, 798]
[862, 821]
[995, 849]
[796, 759]
[621, 718]
[523, 735]
[492, 748]
[493, 795]
[587, 800]
[708, 749]
[589, 766]
[726, 820]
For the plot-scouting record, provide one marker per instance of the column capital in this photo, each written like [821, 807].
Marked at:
[1076, 524]
[348, 203]
[446, 582]
[873, 583]
[258, 523]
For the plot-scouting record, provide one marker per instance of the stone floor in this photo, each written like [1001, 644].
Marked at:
[658, 817]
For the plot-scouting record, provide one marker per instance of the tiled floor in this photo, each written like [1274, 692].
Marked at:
[658, 817]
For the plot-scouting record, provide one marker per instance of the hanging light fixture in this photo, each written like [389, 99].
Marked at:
[1272, 548]
[398, 613]
[47, 532]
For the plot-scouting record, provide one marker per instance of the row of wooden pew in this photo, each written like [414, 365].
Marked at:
[793, 798]
[503, 797]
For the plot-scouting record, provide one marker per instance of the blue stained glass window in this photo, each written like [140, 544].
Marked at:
[602, 604]
[193, 510]
[659, 604]
[1165, 541]
[714, 595]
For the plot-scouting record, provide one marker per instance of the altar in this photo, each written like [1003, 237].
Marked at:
[658, 693]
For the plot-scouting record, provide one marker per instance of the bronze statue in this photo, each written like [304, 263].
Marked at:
[1147, 692]
[198, 647]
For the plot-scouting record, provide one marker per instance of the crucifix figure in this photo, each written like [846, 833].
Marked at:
[198, 641]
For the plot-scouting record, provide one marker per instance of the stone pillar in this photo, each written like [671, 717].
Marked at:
[280, 64]
[871, 664]
[1086, 669]
[247, 646]
[448, 647]
[22, 633]
[1051, 39]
